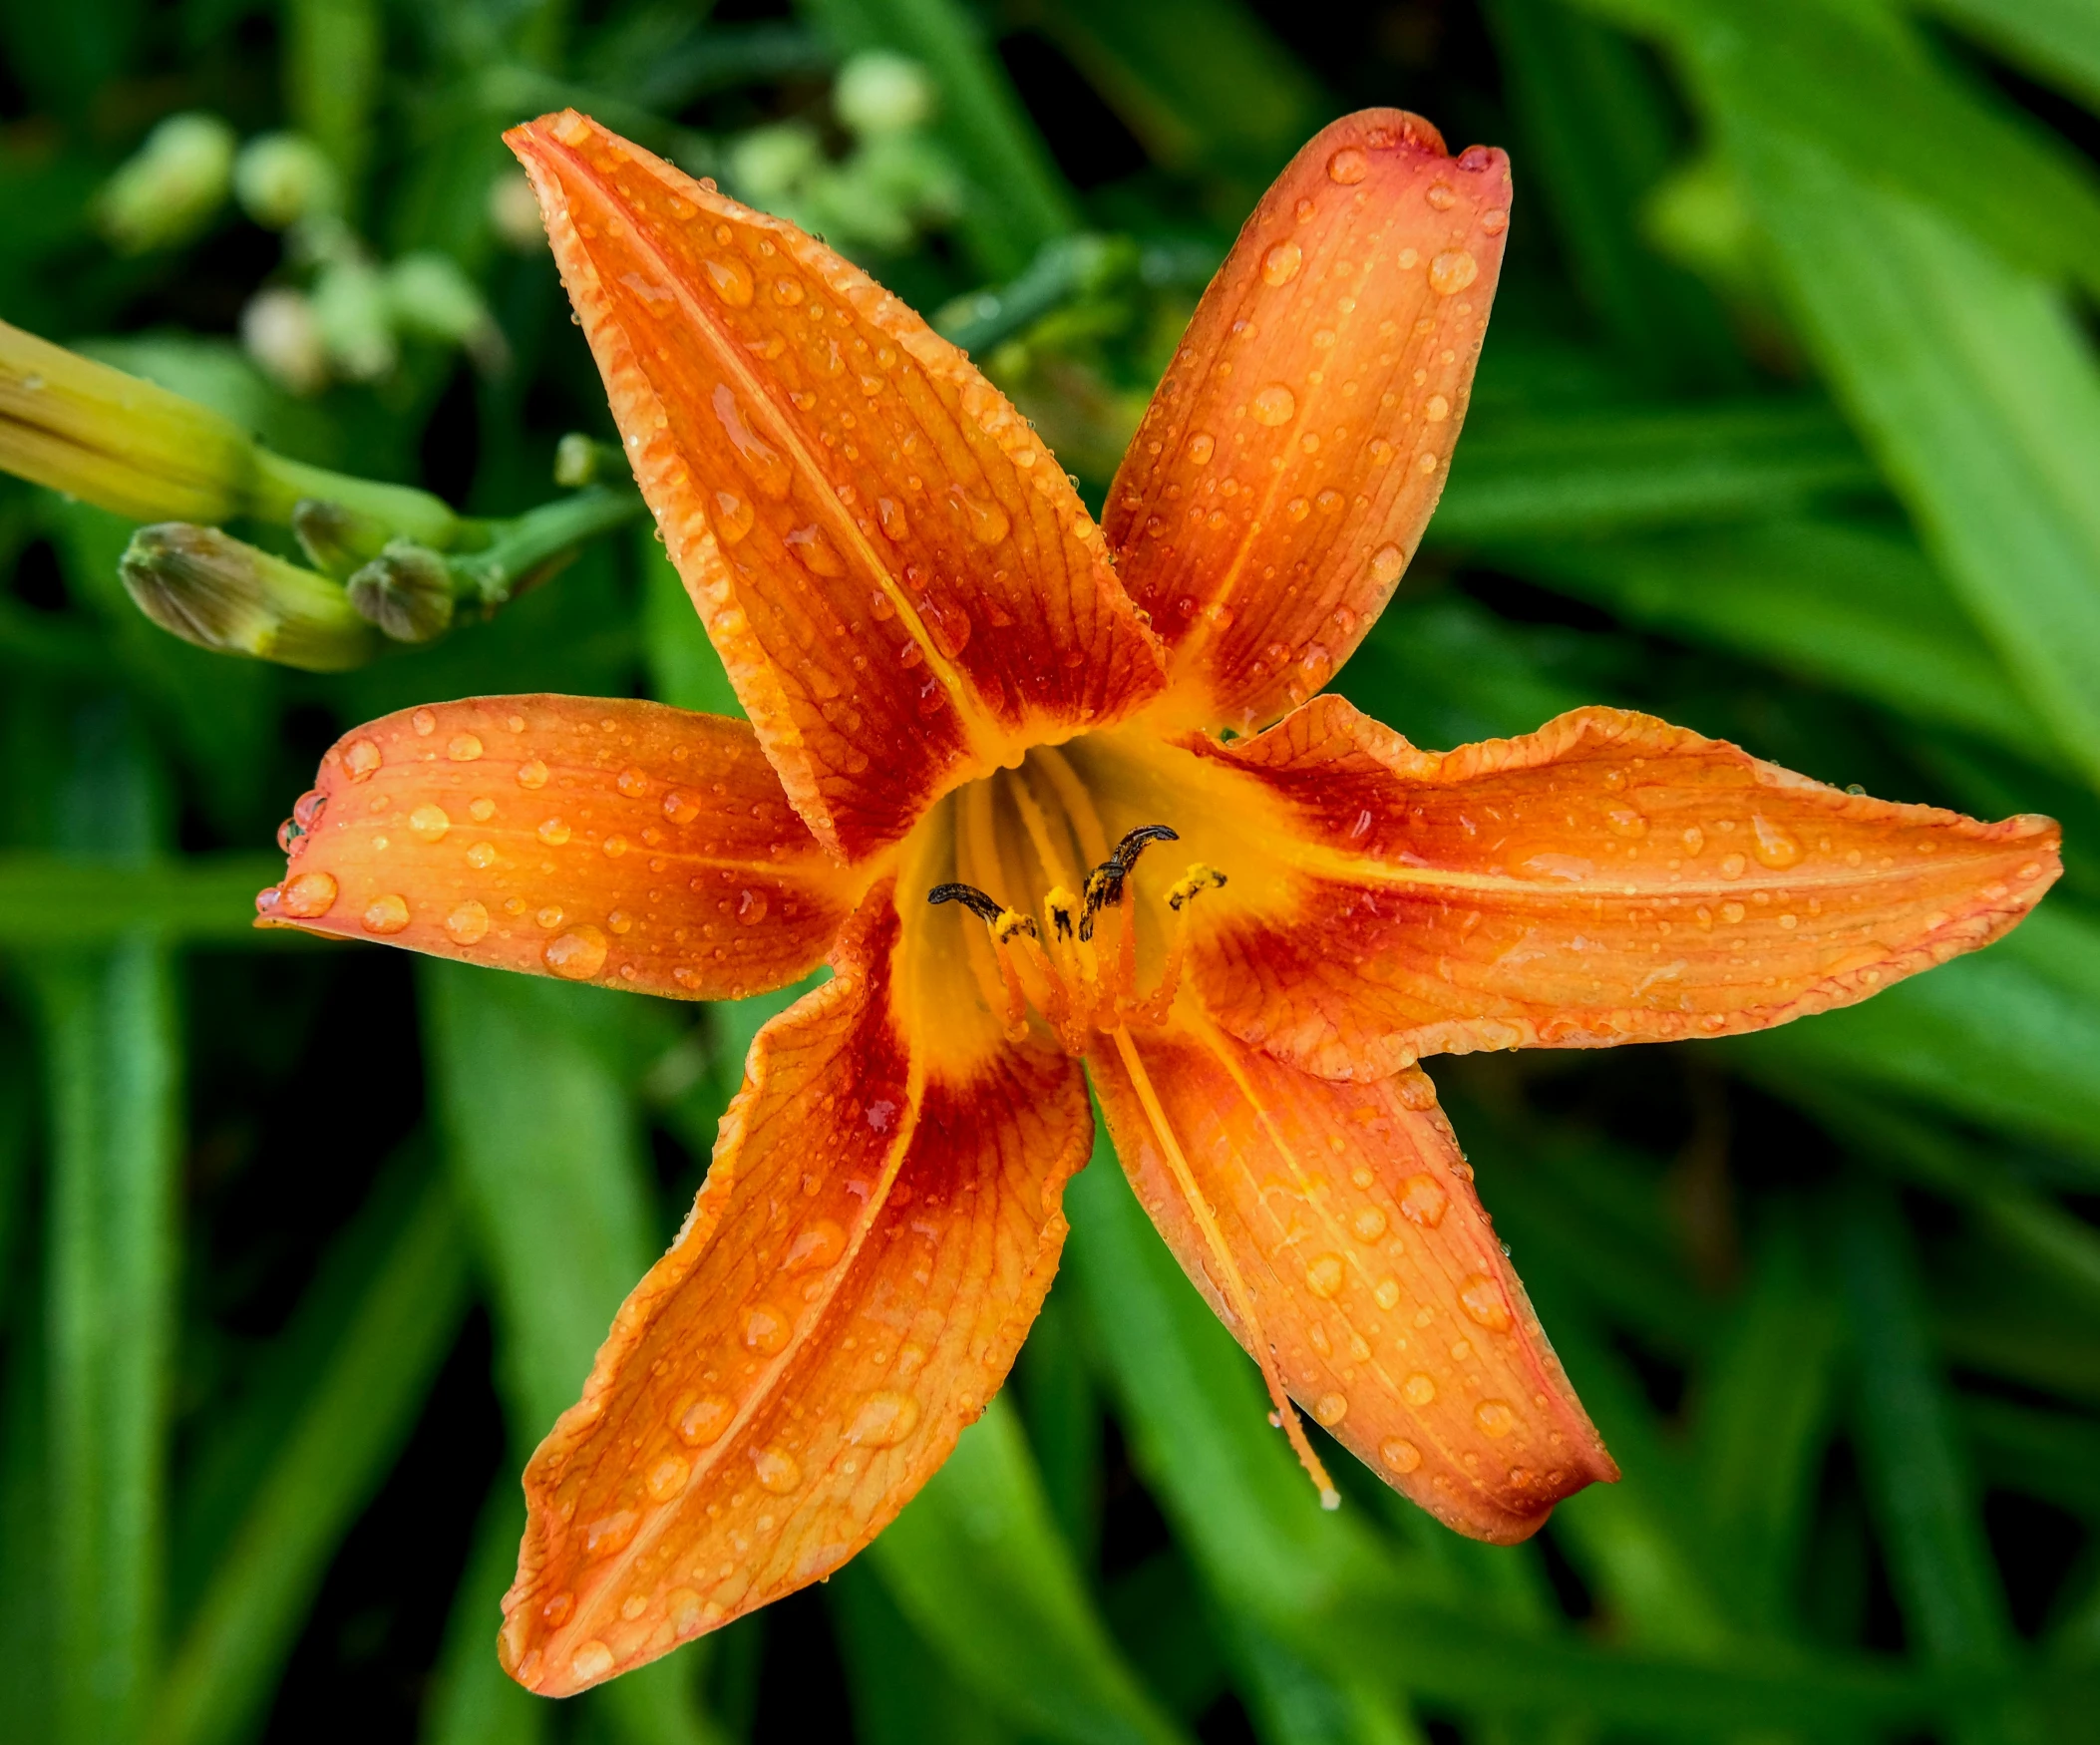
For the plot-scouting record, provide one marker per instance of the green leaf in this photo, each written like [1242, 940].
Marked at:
[2056, 41]
[471, 1700]
[1518, 475]
[903, 1693]
[977, 1563]
[362, 1380]
[57, 901]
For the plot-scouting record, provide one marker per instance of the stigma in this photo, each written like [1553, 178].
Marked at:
[1079, 982]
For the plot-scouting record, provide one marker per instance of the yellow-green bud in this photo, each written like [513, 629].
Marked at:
[407, 592]
[335, 538]
[279, 331]
[881, 93]
[167, 191]
[211, 589]
[431, 298]
[769, 163]
[351, 307]
[93, 432]
[280, 179]
[581, 460]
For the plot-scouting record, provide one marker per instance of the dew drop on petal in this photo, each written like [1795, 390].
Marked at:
[1451, 271]
[731, 279]
[1386, 564]
[1773, 847]
[734, 517]
[1273, 405]
[386, 915]
[1330, 1408]
[1201, 449]
[468, 923]
[1418, 1390]
[307, 896]
[632, 782]
[1349, 166]
[1324, 1277]
[1482, 1299]
[680, 808]
[1494, 1417]
[553, 831]
[883, 1419]
[361, 758]
[464, 748]
[778, 1470]
[531, 775]
[592, 1661]
[1400, 1454]
[702, 1421]
[1280, 264]
[1421, 1202]
[577, 954]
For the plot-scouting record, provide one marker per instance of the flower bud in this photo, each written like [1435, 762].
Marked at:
[280, 179]
[407, 592]
[581, 460]
[431, 298]
[352, 311]
[212, 590]
[768, 165]
[280, 331]
[167, 191]
[880, 93]
[337, 539]
[97, 433]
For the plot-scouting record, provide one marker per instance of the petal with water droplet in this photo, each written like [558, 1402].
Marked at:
[1350, 358]
[726, 884]
[920, 1247]
[769, 465]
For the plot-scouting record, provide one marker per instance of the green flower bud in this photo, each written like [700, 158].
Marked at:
[167, 191]
[282, 332]
[581, 460]
[355, 318]
[212, 590]
[279, 179]
[431, 298]
[769, 163]
[880, 93]
[407, 592]
[337, 539]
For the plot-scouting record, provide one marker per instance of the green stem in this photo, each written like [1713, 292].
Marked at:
[521, 547]
[279, 485]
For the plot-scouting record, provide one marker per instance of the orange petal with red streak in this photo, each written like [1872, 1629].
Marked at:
[1350, 1216]
[1608, 879]
[870, 1246]
[1299, 440]
[593, 839]
[902, 584]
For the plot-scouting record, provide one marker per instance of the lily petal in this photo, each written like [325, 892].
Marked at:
[1608, 879]
[1288, 461]
[1348, 1214]
[872, 1243]
[903, 584]
[594, 839]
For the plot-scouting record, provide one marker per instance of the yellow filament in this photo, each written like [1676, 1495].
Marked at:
[1077, 802]
[1220, 1257]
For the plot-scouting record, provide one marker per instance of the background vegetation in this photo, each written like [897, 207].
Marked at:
[1788, 430]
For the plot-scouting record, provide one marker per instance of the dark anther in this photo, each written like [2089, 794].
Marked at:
[1061, 920]
[1105, 883]
[972, 898]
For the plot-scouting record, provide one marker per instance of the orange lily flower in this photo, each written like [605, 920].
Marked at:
[960, 688]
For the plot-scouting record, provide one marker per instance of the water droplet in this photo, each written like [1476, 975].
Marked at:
[1386, 565]
[531, 775]
[1329, 501]
[1273, 405]
[680, 808]
[558, 1610]
[307, 896]
[889, 516]
[1324, 1277]
[1349, 166]
[1436, 408]
[1387, 1293]
[667, 1478]
[819, 1245]
[814, 552]
[778, 1470]
[1731, 912]
[989, 523]
[1451, 271]
[1732, 865]
[1201, 447]
[1626, 822]
[1482, 1299]
[482, 857]
[468, 923]
[1418, 1390]
[683, 1607]
[387, 914]
[1421, 1202]
[763, 462]
[734, 517]
[1494, 1417]
[1331, 1409]
[464, 748]
[481, 810]
[1400, 1454]
[577, 954]
[633, 1607]
[883, 1419]
[703, 1420]
[592, 1661]
[632, 782]
[766, 1329]
[424, 722]
[1494, 221]
[1280, 264]
[731, 279]
[552, 832]
[1773, 847]
[1369, 1224]
[1440, 197]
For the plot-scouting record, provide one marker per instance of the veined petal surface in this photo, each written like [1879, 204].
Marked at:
[1608, 878]
[1349, 1214]
[903, 584]
[1299, 440]
[873, 1239]
[594, 839]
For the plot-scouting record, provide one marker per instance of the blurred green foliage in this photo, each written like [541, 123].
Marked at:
[1788, 430]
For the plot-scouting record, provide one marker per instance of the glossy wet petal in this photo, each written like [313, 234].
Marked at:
[1350, 1214]
[1301, 435]
[903, 584]
[1608, 879]
[873, 1242]
[594, 839]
